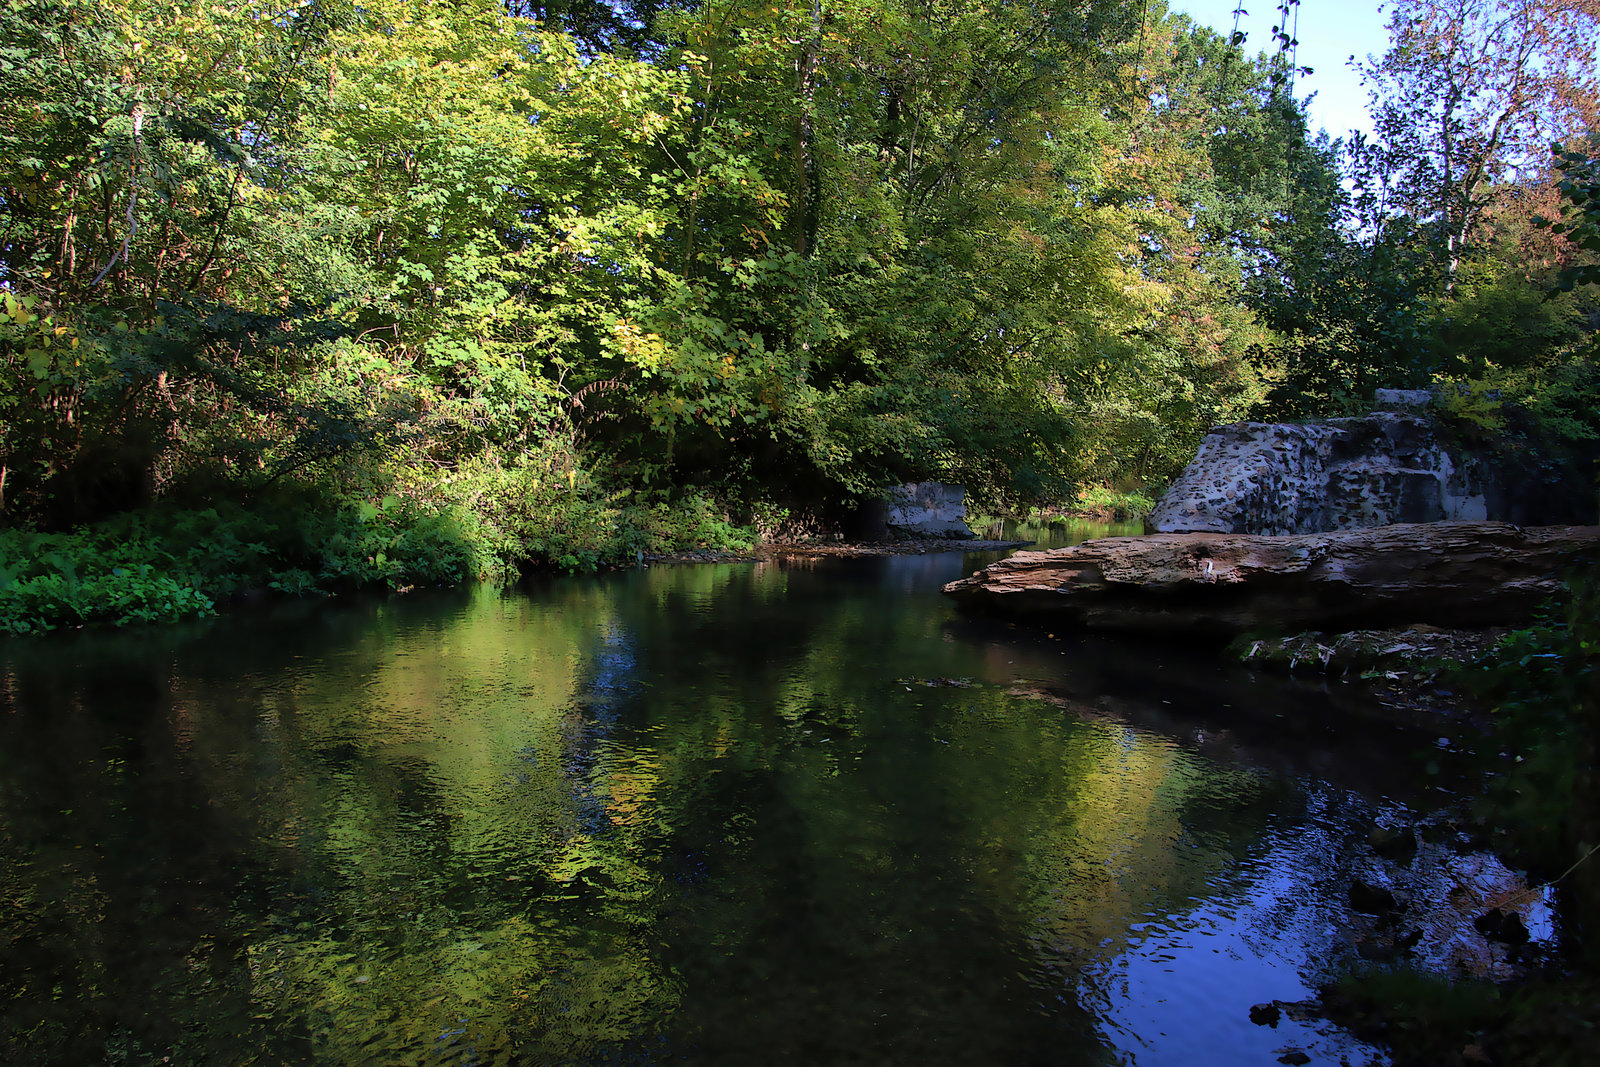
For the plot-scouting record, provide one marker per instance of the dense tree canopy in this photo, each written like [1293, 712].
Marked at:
[511, 258]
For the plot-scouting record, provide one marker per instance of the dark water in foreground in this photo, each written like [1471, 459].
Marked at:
[762, 813]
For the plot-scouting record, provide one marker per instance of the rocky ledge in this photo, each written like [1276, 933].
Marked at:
[1217, 585]
[1413, 674]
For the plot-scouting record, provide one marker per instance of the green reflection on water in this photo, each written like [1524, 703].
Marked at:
[734, 813]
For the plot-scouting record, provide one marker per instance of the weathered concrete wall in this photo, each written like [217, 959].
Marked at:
[1340, 474]
[927, 509]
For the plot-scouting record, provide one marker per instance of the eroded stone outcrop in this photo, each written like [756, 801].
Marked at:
[927, 509]
[1218, 585]
[1339, 474]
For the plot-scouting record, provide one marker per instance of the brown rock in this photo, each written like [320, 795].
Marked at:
[1446, 574]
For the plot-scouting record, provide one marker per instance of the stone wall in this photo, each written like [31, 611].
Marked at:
[927, 509]
[1339, 474]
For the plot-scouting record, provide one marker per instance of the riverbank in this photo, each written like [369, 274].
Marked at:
[1450, 958]
[169, 564]
[834, 550]
[1414, 669]
[1524, 703]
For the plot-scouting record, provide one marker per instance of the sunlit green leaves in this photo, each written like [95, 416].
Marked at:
[822, 245]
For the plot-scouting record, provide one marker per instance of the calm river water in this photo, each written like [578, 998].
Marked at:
[794, 812]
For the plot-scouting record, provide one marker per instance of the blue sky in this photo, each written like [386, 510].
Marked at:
[1330, 32]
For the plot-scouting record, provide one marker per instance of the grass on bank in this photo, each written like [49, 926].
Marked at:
[1102, 503]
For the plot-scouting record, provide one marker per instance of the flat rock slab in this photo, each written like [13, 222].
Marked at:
[1217, 585]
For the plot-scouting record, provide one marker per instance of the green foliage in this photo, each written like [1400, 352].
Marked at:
[1127, 506]
[1561, 396]
[1498, 318]
[1579, 184]
[825, 248]
[1445, 256]
[1472, 407]
[558, 293]
[37, 598]
[1421, 1017]
[1426, 1020]
[171, 565]
[1355, 321]
[554, 514]
[1537, 421]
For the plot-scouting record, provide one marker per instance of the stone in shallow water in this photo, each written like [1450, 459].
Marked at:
[1504, 926]
[1371, 899]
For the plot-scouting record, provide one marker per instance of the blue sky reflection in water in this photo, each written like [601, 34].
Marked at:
[799, 813]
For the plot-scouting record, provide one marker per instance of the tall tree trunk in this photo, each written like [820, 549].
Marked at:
[805, 183]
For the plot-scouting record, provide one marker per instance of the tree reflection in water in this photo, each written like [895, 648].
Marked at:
[721, 813]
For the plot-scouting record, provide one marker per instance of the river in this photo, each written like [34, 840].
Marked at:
[781, 812]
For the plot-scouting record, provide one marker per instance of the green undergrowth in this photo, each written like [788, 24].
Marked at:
[1541, 684]
[1129, 506]
[579, 529]
[165, 564]
[1104, 503]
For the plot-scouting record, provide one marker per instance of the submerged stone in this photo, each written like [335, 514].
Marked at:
[1506, 927]
[1268, 1014]
[1371, 899]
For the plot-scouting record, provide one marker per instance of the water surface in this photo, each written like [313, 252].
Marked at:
[763, 813]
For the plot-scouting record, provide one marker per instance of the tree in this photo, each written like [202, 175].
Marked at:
[885, 242]
[1579, 186]
[1232, 205]
[819, 244]
[1469, 96]
[136, 153]
[212, 200]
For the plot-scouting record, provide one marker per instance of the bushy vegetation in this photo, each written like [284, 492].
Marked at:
[168, 564]
[1127, 506]
[1431, 1021]
[337, 295]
